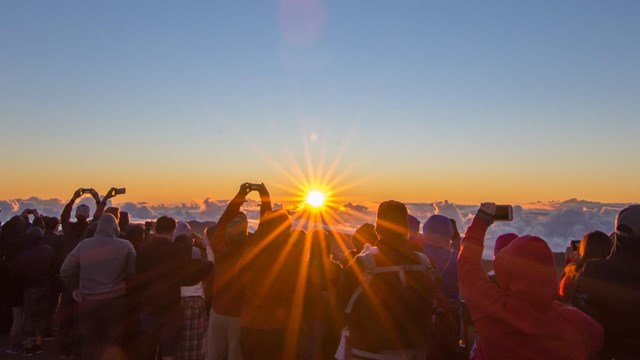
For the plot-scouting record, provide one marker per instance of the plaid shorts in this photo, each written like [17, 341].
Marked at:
[194, 327]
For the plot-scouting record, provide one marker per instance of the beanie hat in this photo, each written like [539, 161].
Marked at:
[628, 222]
[438, 225]
[502, 241]
[82, 212]
[392, 219]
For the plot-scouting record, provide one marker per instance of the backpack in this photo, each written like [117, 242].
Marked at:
[442, 321]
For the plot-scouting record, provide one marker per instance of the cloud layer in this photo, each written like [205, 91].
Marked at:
[557, 222]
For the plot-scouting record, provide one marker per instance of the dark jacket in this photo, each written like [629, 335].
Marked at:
[521, 319]
[227, 293]
[387, 315]
[35, 267]
[609, 291]
[162, 268]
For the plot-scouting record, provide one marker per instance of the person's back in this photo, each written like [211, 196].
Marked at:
[100, 264]
[36, 264]
[387, 292]
[609, 289]
[521, 319]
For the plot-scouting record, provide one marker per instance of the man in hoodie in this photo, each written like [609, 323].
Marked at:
[437, 234]
[97, 271]
[609, 289]
[520, 319]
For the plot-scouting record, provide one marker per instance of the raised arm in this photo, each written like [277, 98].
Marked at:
[265, 200]
[65, 217]
[233, 209]
[480, 294]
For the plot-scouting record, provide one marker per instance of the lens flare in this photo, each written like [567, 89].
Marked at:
[316, 199]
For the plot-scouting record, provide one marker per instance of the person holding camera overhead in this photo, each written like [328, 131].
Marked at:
[230, 240]
[520, 319]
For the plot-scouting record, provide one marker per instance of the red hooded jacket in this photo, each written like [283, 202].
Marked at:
[521, 319]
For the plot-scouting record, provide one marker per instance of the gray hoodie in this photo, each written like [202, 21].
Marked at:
[99, 266]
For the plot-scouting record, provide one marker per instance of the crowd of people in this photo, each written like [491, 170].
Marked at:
[111, 289]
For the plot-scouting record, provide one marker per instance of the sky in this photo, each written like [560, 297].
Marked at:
[418, 101]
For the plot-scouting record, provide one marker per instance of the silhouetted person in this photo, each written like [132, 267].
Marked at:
[436, 238]
[162, 268]
[609, 289]
[229, 243]
[386, 293]
[594, 245]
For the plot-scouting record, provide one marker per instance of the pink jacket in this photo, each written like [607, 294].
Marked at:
[521, 319]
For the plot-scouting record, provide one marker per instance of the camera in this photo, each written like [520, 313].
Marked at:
[255, 187]
[120, 191]
[503, 213]
[86, 190]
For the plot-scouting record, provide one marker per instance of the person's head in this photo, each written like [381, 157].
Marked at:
[165, 226]
[237, 230]
[107, 226]
[82, 212]
[35, 235]
[526, 267]
[38, 221]
[182, 228]
[115, 211]
[502, 241]
[414, 225]
[51, 224]
[628, 229]
[210, 231]
[275, 228]
[365, 234]
[594, 245]
[437, 230]
[124, 221]
[392, 220]
[135, 235]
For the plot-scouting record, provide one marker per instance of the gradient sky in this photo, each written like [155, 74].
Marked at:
[511, 101]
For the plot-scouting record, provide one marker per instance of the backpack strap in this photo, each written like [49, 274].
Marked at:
[370, 269]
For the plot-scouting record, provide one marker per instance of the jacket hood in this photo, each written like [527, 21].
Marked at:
[107, 226]
[527, 269]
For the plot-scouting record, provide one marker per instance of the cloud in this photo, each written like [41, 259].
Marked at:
[557, 222]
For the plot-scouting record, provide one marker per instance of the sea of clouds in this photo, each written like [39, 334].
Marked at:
[557, 222]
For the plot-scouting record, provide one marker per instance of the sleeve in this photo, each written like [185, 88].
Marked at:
[65, 217]
[193, 270]
[218, 244]
[70, 270]
[480, 294]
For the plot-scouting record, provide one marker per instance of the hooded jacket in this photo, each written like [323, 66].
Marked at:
[99, 266]
[521, 319]
[609, 290]
[35, 267]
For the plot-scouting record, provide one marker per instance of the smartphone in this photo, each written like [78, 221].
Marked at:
[575, 245]
[86, 191]
[120, 191]
[503, 213]
[255, 187]
[148, 224]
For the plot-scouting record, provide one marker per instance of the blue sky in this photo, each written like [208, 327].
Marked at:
[465, 100]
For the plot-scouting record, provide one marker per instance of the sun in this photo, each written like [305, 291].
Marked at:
[316, 199]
